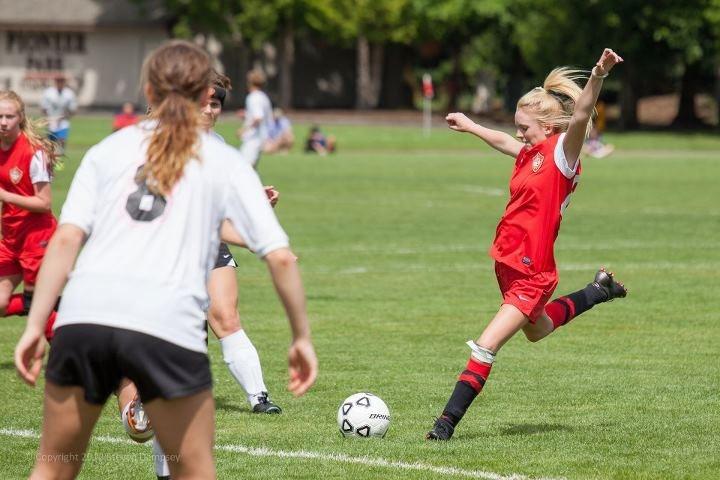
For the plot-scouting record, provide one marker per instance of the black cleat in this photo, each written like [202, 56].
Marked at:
[265, 405]
[442, 430]
[606, 283]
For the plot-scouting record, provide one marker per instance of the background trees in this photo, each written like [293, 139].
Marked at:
[670, 45]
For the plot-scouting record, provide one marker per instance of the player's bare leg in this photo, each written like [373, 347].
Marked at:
[8, 284]
[506, 323]
[68, 421]
[185, 428]
[239, 353]
[132, 412]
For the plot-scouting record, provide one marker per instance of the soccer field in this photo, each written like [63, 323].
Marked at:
[392, 235]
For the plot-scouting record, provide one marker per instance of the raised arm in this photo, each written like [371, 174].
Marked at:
[498, 140]
[575, 137]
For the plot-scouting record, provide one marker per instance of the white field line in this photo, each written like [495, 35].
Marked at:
[323, 457]
[385, 249]
[485, 265]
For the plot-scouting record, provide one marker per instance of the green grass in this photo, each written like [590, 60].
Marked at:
[392, 234]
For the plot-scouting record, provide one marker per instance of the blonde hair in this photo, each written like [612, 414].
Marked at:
[553, 104]
[178, 74]
[31, 128]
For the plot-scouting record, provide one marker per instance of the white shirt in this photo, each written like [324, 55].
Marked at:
[257, 106]
[150, 276]
[58, 105]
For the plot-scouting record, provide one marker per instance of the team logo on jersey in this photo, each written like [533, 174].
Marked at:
[537, 162]
[15, 175]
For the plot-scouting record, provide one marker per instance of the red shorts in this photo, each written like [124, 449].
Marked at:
[25, 259]
[529, 293]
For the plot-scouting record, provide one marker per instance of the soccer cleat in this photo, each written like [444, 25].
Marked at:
[442, 430]
[605, 282]
[136, 422]
[265, 405]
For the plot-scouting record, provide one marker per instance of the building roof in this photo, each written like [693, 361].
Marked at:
[81, 14]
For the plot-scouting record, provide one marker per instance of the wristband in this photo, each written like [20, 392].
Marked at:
[592, 72]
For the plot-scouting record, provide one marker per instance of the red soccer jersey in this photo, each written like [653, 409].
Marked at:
[540, 190]
[16, 176]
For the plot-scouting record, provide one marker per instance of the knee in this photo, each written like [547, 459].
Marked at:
[226, 319]
[533, 336]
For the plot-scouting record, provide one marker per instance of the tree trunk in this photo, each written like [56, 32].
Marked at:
[628, 100]
[514, 85]
[455, 82]
[369, 73]
[717, 93]
[287, 61]
[686, 116]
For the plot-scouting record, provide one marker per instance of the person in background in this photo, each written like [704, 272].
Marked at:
[58, 105]
[594, 145]
[281, 138]
[126, 117]
[318, 142]
[258, 117]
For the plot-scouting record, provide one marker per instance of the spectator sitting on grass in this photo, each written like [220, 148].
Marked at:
[281, 138]
[318, 143]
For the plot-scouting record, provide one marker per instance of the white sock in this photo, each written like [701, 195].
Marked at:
[244, 364]
[161, 466]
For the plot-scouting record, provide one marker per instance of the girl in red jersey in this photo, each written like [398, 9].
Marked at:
[26, 164]
[552, 123]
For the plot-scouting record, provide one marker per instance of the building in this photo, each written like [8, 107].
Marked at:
[98, 44]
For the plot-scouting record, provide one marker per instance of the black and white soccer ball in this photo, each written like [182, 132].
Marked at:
[363, 415]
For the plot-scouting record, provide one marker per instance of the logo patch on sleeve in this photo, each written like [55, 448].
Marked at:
[537, 162]
[15, 175]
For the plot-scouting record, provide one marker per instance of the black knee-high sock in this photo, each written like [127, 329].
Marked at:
[470, 383]
[563, 309]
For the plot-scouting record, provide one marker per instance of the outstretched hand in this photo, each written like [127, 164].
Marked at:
[29, 354]
[302, 367]
[607, 61]
[459, 122]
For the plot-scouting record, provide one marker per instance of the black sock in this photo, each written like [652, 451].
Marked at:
[586, 298]
[460, 400]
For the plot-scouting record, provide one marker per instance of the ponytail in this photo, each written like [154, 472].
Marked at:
[178, 74]
[172, 144]
[553, 104]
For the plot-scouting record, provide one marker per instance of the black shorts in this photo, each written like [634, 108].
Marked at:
[224, 258]
[97, 357]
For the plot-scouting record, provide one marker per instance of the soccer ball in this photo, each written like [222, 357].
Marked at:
[363, 415]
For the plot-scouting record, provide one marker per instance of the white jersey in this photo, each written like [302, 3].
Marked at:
[257, 107]
[147, 258]
[58, 105]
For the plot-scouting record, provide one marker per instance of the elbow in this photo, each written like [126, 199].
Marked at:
[68, 236]
[43, 207]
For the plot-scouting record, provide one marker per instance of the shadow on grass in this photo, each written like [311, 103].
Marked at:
[532, 429]
[7, 365]
[228, 405]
